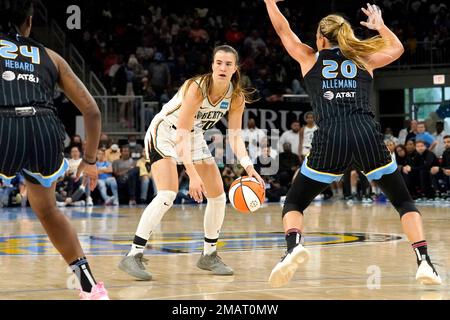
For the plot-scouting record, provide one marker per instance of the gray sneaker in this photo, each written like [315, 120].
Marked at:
[212, 262]
[134, 267]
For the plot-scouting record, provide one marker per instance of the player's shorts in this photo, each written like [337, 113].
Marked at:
[31, 144]
[160, 142]
[339, 145]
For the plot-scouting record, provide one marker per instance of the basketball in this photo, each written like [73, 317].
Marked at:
[246, 194]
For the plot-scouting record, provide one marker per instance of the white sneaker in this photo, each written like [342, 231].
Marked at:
[89, 202]
[60, 204]
[80, 203]
[283, 272]
[426, 274]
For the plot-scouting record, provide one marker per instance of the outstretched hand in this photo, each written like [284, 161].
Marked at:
[374, 21]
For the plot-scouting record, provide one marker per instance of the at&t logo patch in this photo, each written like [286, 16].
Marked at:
[329, 95]
[8, 76]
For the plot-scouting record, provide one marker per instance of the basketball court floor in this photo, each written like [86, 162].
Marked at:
[357, 252]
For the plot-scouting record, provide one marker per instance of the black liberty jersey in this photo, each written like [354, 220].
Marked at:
[27, 74]
[337, 87]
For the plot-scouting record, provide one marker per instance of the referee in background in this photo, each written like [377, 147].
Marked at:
[31, 134]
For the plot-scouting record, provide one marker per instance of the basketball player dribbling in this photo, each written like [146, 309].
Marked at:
[176, 135]
[32, 136]
[339, 80]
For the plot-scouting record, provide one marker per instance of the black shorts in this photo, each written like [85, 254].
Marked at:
[31, 145]
[356, 142]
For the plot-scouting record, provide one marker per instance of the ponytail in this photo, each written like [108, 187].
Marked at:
[339, 32]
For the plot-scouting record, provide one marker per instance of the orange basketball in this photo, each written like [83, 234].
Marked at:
[246, 194]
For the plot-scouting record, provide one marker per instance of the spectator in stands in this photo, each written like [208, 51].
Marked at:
[228, 176]
[273, 152]
[253, 136]
[412, 131]
[76, 189]
[418, 170]
[307, 134]
[75, 141]
[391, 146]
[288, 163]
[113, 153]
[389, 135]
[127, 174]
[410, 147]
[159, 75]
[22, 194]
[234, 36]
[400, 156]
[198, 35]
[274, 189]
[136, 149]
[105, 143]
[292, 137]
[439, 137]
[123, 86]
[425, 136]
[404, 132]
[445, 164]
[14, 193]
[254, 42]
[144, 177]
[106, 179]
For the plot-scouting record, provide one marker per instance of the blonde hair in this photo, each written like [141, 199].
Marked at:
[340, 33]
[205, 80]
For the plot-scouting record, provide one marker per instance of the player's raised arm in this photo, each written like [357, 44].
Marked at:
[296, 49]
[394, 48]
[189, 107]
[235, 138]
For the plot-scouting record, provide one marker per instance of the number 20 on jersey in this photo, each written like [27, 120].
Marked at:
[348, 69]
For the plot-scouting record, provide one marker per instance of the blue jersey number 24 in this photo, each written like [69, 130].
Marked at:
[9, 50]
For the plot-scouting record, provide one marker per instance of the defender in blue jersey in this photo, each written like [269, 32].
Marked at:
[339, 81]
[31, 134]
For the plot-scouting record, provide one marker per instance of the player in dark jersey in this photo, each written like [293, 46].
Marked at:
[339, 81]
[31, 135]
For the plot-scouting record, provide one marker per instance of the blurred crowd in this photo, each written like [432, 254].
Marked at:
[148, 48]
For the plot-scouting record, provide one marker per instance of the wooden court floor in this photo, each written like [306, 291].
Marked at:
[357, 252]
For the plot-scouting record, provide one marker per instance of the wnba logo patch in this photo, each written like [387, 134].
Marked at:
[8, 76]
[224, 105]
[329, 95]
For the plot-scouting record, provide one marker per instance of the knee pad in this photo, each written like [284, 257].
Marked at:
[217, 201]
[292, 207]
[405, 207]
[167, 196]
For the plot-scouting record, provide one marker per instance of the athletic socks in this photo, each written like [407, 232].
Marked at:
[137, 246]
[209, 246]
[212, 222]
[420, 248]
[293, 238]
[81, 269]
